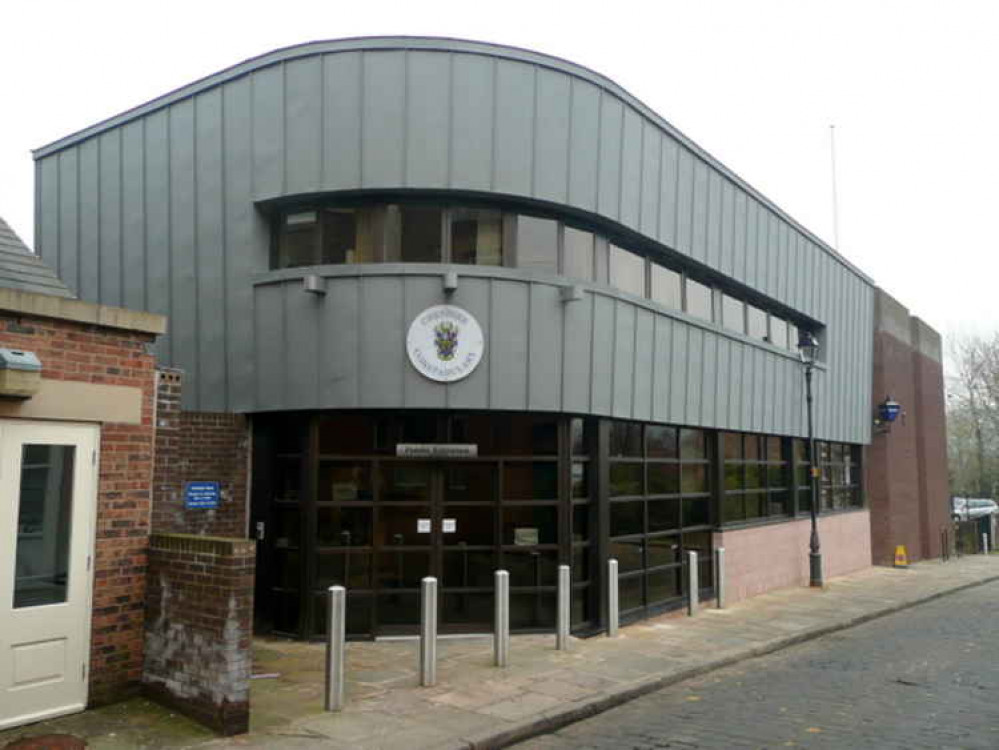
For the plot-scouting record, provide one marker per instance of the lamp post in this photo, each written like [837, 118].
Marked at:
[809, 347]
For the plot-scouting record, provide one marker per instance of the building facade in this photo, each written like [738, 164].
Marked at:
[477, 308]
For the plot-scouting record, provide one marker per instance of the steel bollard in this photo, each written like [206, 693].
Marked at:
[613, 601]
[985, 544]
[692, 584]
[428, 631]
[501, 634]
[336, 622]
[720, 577]
[564, 608]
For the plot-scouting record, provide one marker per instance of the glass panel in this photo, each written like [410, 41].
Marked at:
[399, 609]
[755, 503]
[577, 254]
[774, 452]
[532, 611]
[405, 483]
[733, 446]
[352, 235]
[792, 337]
[733, 477]
[695, 479]
[663, 585]
[696, 512]
[691, 444]
[421, 234]
[752, 447]
[469, 482]
[398, 525]
[757, 322]
[464, 568]
[523, 435]
[628, 553]
[666, 287]
[358, 614]
[530, 567]
[778, 333]
[577, 437]
[476, 237]
[699, 300]
[343, 527]
[777, 504]
[287, 569]
[467, 608]
[399, 569]
[805, 501]
[580, 522]
[663, 550]
[352, 434]
[627, 271]
[580, 485]
[298, 240]
[626, 479]
[627, 518]
[287, 479]
[660, 442]
[530, 481]
[776, 476]
[733, 509]
[664, 515]
[580, 564]
[350, 569]
[526, 525]
[473, 524]
[284, 609]
[287, 527]
[664, 479]
[754, 476]
[626, 439]
[733, 316]
[581, 606]
[537, 243]
[418, 428]
[630, 592]
[344, 482]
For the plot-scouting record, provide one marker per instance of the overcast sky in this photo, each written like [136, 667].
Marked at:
[911, 87]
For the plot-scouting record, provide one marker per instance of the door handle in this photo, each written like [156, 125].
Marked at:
[260, 526]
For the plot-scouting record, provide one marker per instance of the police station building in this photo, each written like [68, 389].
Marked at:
[442, 307]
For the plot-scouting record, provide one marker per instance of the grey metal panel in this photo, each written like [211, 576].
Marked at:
[699, 221]
[472, 122]
[210, 339]
[341, 96]
[740, 236]
[752, 235]
[383, 137]
[668, 216]
[577, 355]
[301, 345]
[551, 137]
[382, 309]
[678, 375]
[631, 169]
[428, 118]
[662, 368]
[244, 252]
[507, 358]
[727, 262]
[267, 127]
[695, 377]
[645, 353]
[651, 164]
[89, 219]
[723, 381]
[47, 233]
[685, 201]
[544, 373]
[133, 209]
[602, 348]
[270, 366]
[609, 174]
[157, 211]
[109, 216]
[515, 99]
[183, 241]
[303, 124]
[709, 380]
[584, 145]
[472, 392]
[420, 293]
[339, 377]
[623, 360]
[714, 240]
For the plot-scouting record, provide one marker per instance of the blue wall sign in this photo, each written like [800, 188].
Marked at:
[201, 495]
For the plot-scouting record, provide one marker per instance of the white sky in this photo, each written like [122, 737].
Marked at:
[911, 86]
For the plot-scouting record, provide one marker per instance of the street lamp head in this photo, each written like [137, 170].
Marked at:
[808, 345]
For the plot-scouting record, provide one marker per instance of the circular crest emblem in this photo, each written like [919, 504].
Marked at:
[445, 343]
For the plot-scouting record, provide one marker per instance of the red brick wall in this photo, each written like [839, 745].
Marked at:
[199, 627]
[92, 354]
[196, 447]
[931, 446]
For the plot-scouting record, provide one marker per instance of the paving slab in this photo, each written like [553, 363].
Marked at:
[476, 706]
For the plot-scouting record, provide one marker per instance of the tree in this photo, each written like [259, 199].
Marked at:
[973, 416]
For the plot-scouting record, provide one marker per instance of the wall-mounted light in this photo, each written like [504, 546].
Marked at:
[450, 282]
[314, 284]
[888, 411]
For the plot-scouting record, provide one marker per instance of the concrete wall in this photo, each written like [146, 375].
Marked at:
[774, 556]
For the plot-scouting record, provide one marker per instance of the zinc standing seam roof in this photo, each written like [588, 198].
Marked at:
[22, 269]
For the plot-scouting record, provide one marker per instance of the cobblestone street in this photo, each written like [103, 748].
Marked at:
[927, 677]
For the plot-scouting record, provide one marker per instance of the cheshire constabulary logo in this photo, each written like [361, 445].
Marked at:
[445, 343]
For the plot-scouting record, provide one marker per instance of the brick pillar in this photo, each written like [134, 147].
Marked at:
[199, 620]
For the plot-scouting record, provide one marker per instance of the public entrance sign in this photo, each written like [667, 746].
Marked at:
[201, 495]
[48, 492]
[445, 343]
[436, 450]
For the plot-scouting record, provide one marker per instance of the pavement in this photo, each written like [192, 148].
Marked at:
[476, 705]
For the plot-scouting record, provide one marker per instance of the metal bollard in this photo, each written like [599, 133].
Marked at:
[336, 621]
[720, 577]
[428, 631]
[613, 601]
[692, 584]
[985, 544]
[501, 634]
[564, 608]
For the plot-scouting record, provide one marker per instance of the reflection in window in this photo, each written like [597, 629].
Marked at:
[778, 333]
[577, 253]
[666, 287]
[627, 271]
[732, 314]
[44, 524]
[537, 243]
[757, 320]
[476, 237]
[699, 300]
[421, 234]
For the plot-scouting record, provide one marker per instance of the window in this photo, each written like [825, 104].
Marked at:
[298, 240]
[839, 482]
[733, 316]
[627, 271]
[778, 333]
[537, 243]
[757, 322]
[577, 253]
[476, 237]
[699, 300]
[666, 287]
[421, 234]
[757, 477]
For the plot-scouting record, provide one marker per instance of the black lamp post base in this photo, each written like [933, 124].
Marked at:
[815, 569]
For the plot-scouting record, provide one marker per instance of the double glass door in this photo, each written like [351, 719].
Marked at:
[438, 520]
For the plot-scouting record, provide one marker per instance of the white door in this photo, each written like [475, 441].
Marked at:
[48, 495]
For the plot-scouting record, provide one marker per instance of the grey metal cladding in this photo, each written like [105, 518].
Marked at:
[155, 208]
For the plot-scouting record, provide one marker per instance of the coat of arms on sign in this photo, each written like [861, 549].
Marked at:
[446, 339]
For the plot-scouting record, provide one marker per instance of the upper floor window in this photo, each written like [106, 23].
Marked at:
[627, 271]
[699, 300]
[666, 287]
[476, 237]
[577, 253]
[733, 314]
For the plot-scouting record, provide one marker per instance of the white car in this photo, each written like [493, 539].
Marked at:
[966, 508]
